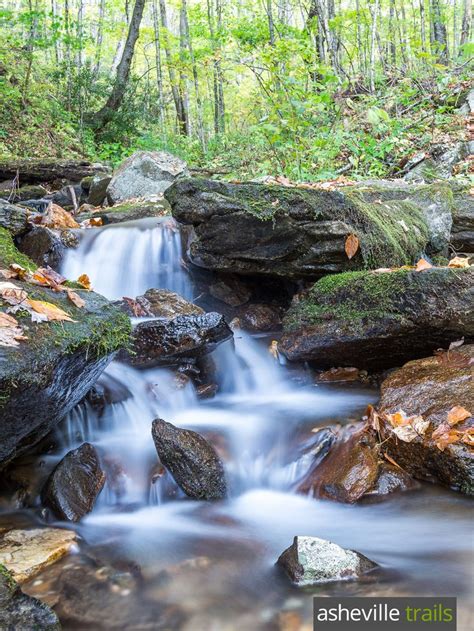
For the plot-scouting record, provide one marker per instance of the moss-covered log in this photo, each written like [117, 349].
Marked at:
[47, 374]
[378, 320]
[33, 171]
[300, 233]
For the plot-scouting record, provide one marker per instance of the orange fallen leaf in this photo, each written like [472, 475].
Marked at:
[373, 418]
[52, 312]
[58, 218]
[422, 265]
[273, 349]
[459, 262]
[444, 435]
[84, 280]
[75, 299]
[351, 245]
[457, 414]
[398, 419]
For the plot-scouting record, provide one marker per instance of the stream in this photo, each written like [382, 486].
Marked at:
[212, 564]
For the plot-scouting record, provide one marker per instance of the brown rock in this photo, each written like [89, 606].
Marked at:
[260, 317]
[431, 387]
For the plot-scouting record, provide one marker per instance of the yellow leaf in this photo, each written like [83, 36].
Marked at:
[459, 262]
[422, 265]
[273, 349]
[457, 414]
[351, 245]
[49, 310]
[84, 280]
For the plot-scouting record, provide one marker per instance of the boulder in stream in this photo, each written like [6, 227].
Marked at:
[439, 390]
[159, 303]
[144, 173]
[192, 461]
[169, 341]
[310, 561]
[21, 612]
[74, 485]
[378, 320]
[300, 233]
[98, 189]
[47, 247]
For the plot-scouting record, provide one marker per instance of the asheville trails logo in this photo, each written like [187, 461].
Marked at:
[384, 614]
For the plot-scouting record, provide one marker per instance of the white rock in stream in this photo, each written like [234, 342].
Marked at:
[310, 560]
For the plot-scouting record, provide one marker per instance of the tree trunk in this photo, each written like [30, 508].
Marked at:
[466, 23]
[115, 99]
[199, 111]
[98, 44]
[374, 10]
[218, 87]
[159, 74]
[177, 99]
[439, 34]
[422, 26]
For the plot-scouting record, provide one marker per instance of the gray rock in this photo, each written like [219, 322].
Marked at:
[74, 485]
[9, 193]
[296, 233]
[98, 190]
[191, 460]
[19, 612]
[377, 320]
[47, 247]
[439, 164]
[310, 561]
[13, 217]
[145, 173]
[164, 342]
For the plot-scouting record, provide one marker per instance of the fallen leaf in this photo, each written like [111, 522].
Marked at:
[84, 280]
[52, 312]
[422, 265]
[10, 331]
[405, 433]
[7, 273]
[20, 272]
[457, 414]
[468, 436]
[383, 270]
[398, 419]
[75, 299]
[12, 294]
[58, 218]
[420, 425]
[351, 245]
[444, 435]
[51, 277]
[392, 461]
[273, 349]
[373, 418]
[459, 262]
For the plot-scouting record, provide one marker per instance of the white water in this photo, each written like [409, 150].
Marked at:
[260, 422]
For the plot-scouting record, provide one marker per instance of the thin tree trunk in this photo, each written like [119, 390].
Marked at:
[466, 26]
[423, 26]
[183, 71]
[106, 113]
[374, 10]
[177, 99]
[159, 74]
[440, 39]
[391, 34]
[99, 39]
[199, 111]
[218, 87]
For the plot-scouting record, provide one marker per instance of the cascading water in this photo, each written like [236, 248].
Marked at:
[260, 422]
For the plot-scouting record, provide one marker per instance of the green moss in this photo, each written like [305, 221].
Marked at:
[353, 296]
[9, 254]
[7, 577]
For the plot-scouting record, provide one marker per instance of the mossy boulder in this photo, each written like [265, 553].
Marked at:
[19, 611]
[298, 233]
[431, 387]
[13, 218]
[47, 374]
[378, 320]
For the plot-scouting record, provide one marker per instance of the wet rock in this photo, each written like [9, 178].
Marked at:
[310, 561]
[105, 597]
[379, 320]
[47, 247]
[44, 377]
[69, 197]
[260, 317]
[294, 233]
[160, 303]
[98, 190]
[25, 553]
[19, 611]
[351, 467]
[147, 208]
[13, 218]
[75, 483]
[107, 391]
[431, 387]
[231, 291]
[462, 234]
[207, 391]
[162, 342]
[191, 460]
[144, 173]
